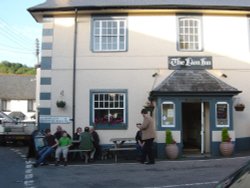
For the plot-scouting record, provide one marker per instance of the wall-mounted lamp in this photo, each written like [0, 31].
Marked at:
[155, 74]
[224, 75]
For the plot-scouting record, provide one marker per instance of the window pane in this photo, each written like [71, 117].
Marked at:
[110, 109]
[108, 33]
[168, 115]
[222, 114]
[189, 35]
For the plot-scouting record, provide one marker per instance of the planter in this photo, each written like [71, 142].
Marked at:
[226, 148]
[172, 151]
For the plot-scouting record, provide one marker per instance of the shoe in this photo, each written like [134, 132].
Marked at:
[65, 163]
[149, 163]
[44, 164]
[57, 163]
[35, 165]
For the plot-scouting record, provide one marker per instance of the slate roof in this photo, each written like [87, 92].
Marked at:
[66, 5]
[194, 82]
[17, 87]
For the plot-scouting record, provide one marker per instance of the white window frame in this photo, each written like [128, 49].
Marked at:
[190, 33]
[162, 115]
[228, 115]
[111, 38]
[109, 108]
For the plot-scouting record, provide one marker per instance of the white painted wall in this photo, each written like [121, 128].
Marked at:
[151, 39]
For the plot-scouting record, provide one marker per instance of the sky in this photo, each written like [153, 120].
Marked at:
[18, 32]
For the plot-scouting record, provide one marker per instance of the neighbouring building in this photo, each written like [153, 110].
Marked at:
[18, 96]
[187, 61]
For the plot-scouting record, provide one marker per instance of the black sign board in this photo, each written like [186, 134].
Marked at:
[195, 62]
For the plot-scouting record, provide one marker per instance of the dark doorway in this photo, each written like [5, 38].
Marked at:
[191, 127]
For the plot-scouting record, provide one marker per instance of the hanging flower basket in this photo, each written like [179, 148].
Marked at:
[60, 104]
[239, 107]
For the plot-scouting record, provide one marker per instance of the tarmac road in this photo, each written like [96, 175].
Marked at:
[164, 174]
[106, 174]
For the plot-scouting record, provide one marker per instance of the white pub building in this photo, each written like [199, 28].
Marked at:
[186, 61]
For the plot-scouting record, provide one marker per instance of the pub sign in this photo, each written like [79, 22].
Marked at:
[189, 62]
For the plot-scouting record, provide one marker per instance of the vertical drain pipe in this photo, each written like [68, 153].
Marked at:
[74, 73]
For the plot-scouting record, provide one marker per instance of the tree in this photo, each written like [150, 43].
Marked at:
[7, 67]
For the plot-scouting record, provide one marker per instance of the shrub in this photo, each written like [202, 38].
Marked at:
[169, 137]
[225, 135]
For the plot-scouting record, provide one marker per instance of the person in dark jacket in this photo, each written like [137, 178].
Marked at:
[50, 145]
[86, 142]
[139, 144]
[96, 142]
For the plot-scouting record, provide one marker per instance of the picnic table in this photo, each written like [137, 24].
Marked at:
[75, 149]
[122, 144]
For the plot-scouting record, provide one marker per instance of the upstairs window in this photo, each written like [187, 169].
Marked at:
[189, 33]
[109, 34]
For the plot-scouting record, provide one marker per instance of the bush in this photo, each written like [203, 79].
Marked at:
[169, 137]
[225, 135]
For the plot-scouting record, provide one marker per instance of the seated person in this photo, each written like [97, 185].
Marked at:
[50, 145]
[86, 142]
[96, 142]
[76, 135]
[63, 147]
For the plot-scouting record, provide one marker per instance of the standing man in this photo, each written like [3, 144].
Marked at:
[148, 135]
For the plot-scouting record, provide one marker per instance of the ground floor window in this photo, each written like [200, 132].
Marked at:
[168, 114]
[109, 108]
[6, 105]
[222, 114]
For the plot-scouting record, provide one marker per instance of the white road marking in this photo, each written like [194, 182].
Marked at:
[185, 185]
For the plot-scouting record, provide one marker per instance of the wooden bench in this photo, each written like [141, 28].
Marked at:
[116, 150]
[85, 153]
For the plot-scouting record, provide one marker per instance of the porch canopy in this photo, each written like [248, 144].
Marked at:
[193, 83]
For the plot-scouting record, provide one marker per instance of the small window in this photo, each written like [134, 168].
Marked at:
[109, 34]
[109, 109]
[5, 105]
[222, 114]
[189, 33]
[31, 105]
[168, 114]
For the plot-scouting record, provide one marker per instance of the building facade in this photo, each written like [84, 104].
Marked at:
[18, 96]
[187, 62]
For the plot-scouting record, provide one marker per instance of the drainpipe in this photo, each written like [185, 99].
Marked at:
[74, 73]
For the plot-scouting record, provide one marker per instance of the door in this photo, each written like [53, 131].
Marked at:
[195, 127]
[191, 127]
